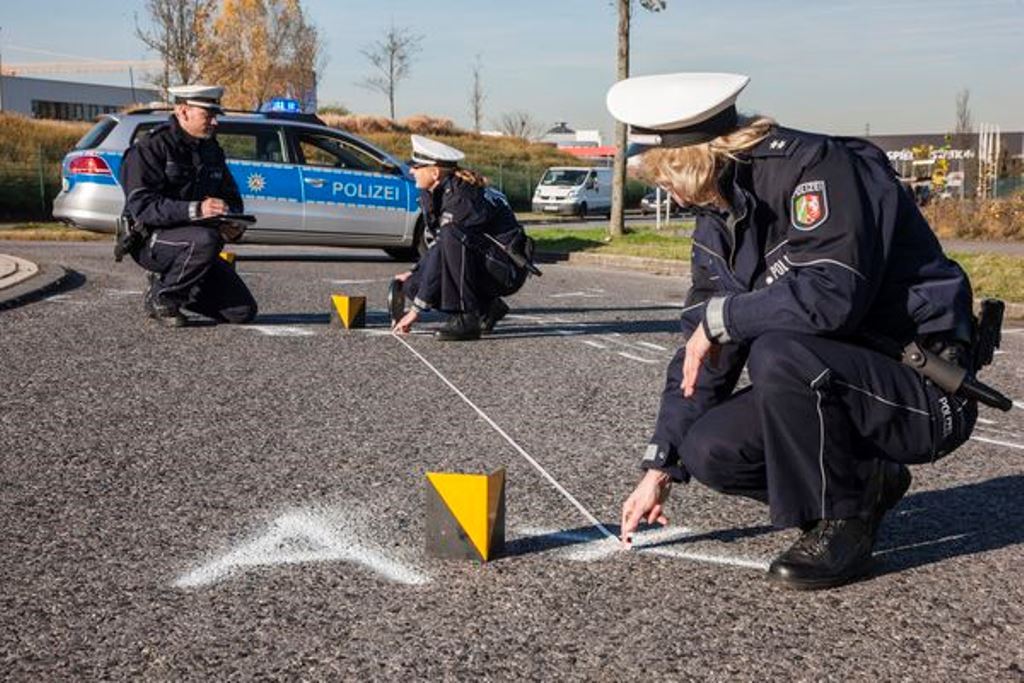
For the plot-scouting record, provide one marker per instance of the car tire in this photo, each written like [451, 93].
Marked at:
[420, 244]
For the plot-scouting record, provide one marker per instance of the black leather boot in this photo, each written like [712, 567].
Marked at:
[164, 313]
[460, 327]
[831, 553]
[495, 312]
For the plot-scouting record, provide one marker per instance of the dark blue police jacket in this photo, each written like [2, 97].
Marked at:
[469, 210]
[166, 174]
[822, 239]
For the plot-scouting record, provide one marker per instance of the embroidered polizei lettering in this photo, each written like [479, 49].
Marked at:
[778, 269]
[947, 417]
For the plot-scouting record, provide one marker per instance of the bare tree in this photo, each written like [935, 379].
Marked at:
[392, 58]
[178, 30]
[476, 95]
[964, 126]
[617, 223]
[519, 124]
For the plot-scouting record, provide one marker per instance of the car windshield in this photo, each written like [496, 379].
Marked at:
[564, 177]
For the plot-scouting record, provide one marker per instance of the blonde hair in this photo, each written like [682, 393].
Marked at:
[691, 173]
[465, 175]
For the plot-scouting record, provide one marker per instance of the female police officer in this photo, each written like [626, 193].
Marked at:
[806, 248]
[463, 273]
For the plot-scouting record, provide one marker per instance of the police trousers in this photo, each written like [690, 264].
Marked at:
[804, 435]
[459, 277]
[193, 276]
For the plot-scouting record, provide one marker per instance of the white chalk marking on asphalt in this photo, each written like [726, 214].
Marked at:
[567, 333]
[996, 442]
[998, 352]
[298, 537]
[1017, 330]
[983, 421]
[923, 544]
[614, 338]
[997, 431]
[580, 295]
[519, 449]
[657, 347]
[1018, 404]
[636, 358]
[649, 541]
[282, 330]
[519, 316]
[122, 292]
[596, 345]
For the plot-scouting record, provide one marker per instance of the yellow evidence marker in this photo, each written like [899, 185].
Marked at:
[466, 515]
[350, 311]
[229, 257]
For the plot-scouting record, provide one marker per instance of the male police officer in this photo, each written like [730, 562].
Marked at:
[465, 273]
[174, 176]
[806, 252]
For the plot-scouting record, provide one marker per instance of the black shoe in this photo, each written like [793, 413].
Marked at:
[887, 486]
[495, 312]
[833, 552]
[460, 327]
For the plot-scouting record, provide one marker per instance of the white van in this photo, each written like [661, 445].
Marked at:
[574, 190]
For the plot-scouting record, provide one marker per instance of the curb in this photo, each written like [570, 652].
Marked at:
[50, 277]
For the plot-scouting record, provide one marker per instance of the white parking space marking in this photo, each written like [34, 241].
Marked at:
[300, 537]
[355, 282]
[996, 442]
[579, 295]
[281, 330]
[648, 541]
[636, 358]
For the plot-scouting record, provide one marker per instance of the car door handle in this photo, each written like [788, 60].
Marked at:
[315, 182]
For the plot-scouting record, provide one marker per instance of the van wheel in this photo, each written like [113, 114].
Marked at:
[582, 210]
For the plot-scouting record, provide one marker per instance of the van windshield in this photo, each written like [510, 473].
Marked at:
[564, 177]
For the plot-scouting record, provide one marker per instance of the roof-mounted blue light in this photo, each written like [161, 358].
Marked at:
[282, 105]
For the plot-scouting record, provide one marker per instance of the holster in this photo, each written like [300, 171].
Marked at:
[129, 237]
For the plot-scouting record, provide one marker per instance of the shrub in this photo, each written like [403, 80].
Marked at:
[998, 219]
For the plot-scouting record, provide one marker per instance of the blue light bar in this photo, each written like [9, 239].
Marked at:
[282, 105]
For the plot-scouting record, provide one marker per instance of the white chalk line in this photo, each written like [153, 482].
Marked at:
[519, 449]
[1018, 404]
[596, 345]
[122, 292]
[299, 537]
[629, 345]
[649, 541]
[656, 347]
[355, 282]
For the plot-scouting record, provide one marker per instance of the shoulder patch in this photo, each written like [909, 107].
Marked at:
[809, 206]
[779, 145]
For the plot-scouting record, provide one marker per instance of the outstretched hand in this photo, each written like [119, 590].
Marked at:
[646, 502]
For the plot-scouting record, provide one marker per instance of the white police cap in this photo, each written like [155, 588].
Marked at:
[205, 96]
[676, 110]
[427, 152]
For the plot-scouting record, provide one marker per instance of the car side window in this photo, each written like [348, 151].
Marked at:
[251, 143]
[333, 152]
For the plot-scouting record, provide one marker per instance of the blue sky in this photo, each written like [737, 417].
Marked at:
[838, 66]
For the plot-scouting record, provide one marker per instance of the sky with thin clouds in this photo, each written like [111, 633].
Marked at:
[839, 66]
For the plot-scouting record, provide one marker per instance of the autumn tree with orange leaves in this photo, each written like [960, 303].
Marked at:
[259, 49]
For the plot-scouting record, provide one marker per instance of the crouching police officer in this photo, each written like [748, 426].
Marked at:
[806, 249]
[171, 178]
[480, 252]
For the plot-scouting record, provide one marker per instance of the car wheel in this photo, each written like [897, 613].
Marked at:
[421, 241]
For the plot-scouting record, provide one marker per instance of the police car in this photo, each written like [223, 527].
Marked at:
[305, 182]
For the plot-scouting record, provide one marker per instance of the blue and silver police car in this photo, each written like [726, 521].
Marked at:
[305, 182]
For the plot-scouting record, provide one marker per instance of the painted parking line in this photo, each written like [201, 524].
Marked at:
[636, 358]
[997, 442]
[300, 537]
[281, 330]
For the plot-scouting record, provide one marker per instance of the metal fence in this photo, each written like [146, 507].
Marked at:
[28, 185]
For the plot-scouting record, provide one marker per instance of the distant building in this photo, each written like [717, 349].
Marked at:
[561, 135]
[42, 98]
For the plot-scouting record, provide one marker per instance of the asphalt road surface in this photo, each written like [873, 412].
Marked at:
[247, 502]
